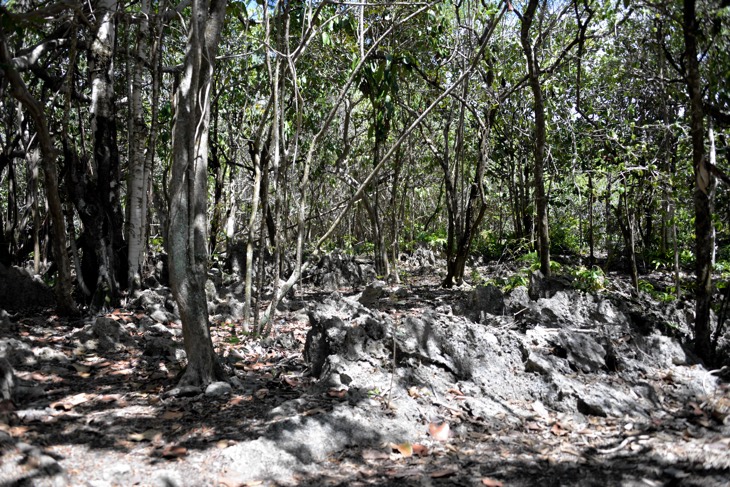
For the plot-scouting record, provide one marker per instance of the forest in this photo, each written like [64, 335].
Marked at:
[230, 159]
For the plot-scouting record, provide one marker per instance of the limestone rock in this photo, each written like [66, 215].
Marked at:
[372, 294]
[218, 389]
[21, 291]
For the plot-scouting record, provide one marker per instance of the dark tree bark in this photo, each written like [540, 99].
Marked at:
[63, 287]
[533, 72]
[704, 188]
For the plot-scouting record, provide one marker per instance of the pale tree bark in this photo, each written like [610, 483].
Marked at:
[138, 171]
[96, 189]
[704, 188]
[187, 234]
[63, 287]
[533, 72]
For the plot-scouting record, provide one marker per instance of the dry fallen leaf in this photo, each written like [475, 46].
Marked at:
[236, 400]
[148, 435]
[314, 411]
[261, 393]
[18, 431]
[491, 482]
[541, 411]
[339, 394]
[405, 449]
[439, 432]
[172, 415]
[70, 402]
[174, 451]
[445, 472]
[420, 450]
[558, 430]
[370, 454]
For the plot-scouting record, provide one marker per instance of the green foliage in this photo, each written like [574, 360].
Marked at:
[488, 245]
[477, 279]
[565, 236]
[517, 280]
[434, 240]
[646, 287]
[687, 257]
[156, 243]
[664, 296]
[532, 260]
[722, 267]
[589, 279]
[365, 248]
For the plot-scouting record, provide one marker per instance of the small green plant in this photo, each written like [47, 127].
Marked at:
[374, 392]
[647, 287]
[589, 279]
[516, 280]
[365, 248]
[433, 240]
[686, 257]
[665, 297]
[477, 279]
[532, 260]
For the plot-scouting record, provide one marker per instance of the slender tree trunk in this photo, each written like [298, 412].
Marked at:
[138, 179]
[187, 234]
[591, 199]
[704, 188]
[63, 287]
[533, 71]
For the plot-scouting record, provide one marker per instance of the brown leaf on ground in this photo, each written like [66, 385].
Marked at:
[557, 430]
[71, 402]
[491, 482]
[173, 451]
[444, 472]
[370, 454]
[236, 400]
[172, 415]
[149, 435]
[439, 432]
[405, 449]
[420, 450]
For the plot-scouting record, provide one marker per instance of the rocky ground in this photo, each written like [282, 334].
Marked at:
[367, 383]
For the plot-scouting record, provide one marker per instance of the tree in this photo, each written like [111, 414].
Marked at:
[187, 233]
[533, 73]
[64, 286]
[704, 186]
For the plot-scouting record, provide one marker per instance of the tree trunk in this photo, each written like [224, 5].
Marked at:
[99, 201]
[704, 189]
[533, 72]
[63, 287]
[138, 171]
[187, 234]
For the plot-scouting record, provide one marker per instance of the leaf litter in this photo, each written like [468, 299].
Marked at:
[103, 412]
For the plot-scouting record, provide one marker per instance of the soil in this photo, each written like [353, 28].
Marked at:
[99, 413]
